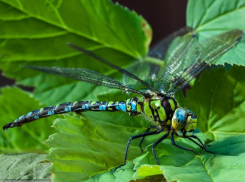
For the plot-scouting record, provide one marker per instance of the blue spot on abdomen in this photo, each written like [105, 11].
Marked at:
[133, 106]
[50, 112]
[122, 107]
[36, 116]
[102, 107]
[67, 109]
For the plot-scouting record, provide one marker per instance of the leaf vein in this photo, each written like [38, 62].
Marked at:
[220, 16]
[73, 31]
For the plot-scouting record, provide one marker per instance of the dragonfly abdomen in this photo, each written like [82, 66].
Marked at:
[129, 106]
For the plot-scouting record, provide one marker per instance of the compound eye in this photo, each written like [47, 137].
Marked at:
[181, 115]
[179, 118]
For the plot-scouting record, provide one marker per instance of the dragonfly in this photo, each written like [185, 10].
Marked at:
[170, 65]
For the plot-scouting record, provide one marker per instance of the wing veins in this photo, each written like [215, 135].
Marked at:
[123, 71]
[174, 63]
[86, 75]
[192, 71]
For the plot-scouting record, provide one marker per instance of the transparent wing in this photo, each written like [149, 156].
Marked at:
[86, 75]
[153, 67]
[123, 71]
[177, 59]
[173, 60]
[142, 70]
[164, 48]
[200, 55]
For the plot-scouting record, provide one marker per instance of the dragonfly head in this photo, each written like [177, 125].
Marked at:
[184, 122]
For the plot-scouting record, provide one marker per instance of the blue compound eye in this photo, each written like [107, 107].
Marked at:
[179, 118]
[181, 115]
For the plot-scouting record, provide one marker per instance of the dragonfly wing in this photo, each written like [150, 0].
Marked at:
[173, 60]
[143, 70]
[123, 71]
[163, 46]
[86, 75]
[201, 54]
[159, 57]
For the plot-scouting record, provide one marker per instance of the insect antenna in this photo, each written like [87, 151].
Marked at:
[123, 71]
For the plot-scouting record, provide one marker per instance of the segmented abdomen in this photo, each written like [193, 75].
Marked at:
[78, 106]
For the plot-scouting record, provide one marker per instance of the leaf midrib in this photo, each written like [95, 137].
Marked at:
[72, 31]
[205, 169]
[217, 17]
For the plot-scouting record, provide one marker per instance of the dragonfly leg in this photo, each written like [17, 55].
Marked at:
[203, 146]
[142, 139]
[156, 143]
[195, 142]
[132, 138]
[173, 142]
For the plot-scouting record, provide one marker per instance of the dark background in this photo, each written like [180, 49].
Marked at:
[164, 16]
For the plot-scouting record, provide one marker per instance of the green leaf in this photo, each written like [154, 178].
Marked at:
[29, 137]
[85, 147]
[24, 166]
[123, 175]
[100, 22]
[218, 99]
[212, 17]
[176, 165]
[36, 33]
[215, 14]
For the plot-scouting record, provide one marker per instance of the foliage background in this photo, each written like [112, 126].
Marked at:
[82, 147]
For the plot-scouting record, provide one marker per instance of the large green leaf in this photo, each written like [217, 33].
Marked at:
[85, 147]
[36, 33]
[99, 22]
[24, 167]
[124, 175]
[176, 165]
[218, 99]
[15, 103]
[212, 17]
[121, 176]
[215, 14]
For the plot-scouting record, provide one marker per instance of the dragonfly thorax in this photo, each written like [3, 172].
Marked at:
[160, 109]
